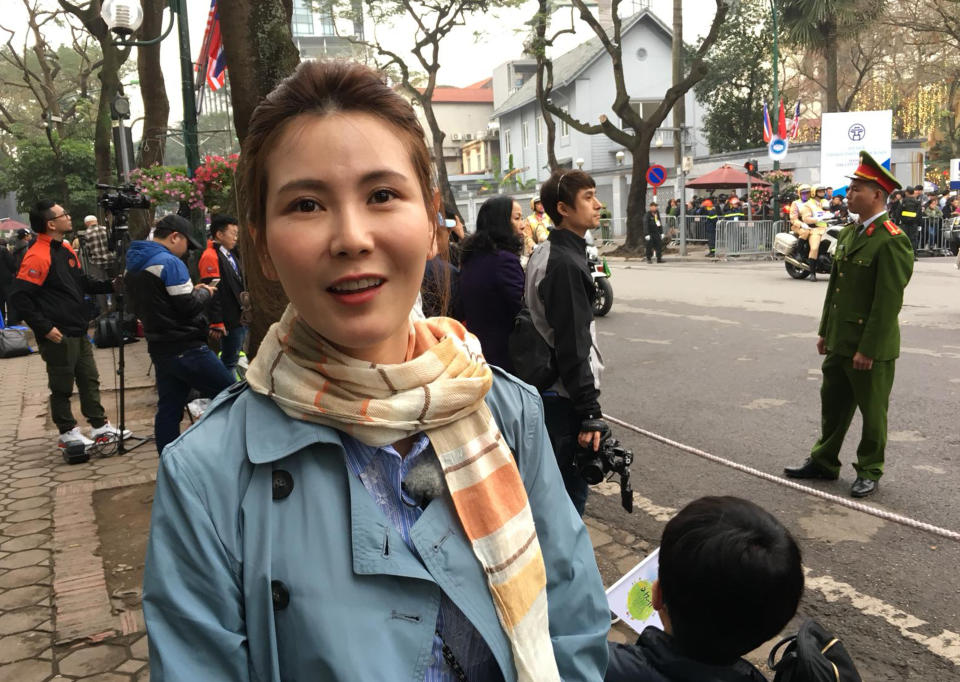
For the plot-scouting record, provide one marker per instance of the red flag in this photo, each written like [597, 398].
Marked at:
[212, 65]
[782, 123]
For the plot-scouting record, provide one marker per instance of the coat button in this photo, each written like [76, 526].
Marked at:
[280, 595]
[282, 484]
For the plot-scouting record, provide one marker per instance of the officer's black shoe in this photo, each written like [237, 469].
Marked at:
[810, 469]
[813, 269]
[863, 487]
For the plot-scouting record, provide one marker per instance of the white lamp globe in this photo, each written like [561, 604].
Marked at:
[123, 17]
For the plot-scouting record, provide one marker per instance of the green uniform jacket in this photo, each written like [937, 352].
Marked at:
[865, 292]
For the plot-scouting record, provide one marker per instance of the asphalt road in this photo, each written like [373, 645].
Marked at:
[722, 357]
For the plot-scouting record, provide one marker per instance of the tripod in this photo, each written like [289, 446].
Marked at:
[120, 236]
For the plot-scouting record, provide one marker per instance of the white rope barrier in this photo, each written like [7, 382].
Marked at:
[859, 506]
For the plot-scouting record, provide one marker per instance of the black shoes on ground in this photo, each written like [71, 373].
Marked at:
[810, 469]
[862, 487]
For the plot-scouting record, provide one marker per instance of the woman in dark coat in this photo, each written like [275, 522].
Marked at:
[491, 278]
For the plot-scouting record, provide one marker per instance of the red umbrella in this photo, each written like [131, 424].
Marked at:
[725, 177]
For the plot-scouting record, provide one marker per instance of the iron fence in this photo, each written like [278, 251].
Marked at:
[746, 237]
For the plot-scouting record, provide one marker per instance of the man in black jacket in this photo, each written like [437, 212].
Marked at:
[653, 233]
[172, 311]
[220, 263]
[559, 293]
[48, 294]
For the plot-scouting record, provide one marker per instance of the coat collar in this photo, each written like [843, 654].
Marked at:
[272, 435]
[861, 239]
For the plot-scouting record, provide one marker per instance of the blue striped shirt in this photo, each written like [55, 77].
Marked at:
[382, 470]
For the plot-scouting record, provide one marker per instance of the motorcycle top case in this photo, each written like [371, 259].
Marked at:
[785, 243]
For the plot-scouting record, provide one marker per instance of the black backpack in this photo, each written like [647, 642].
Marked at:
[531, 355]
[107, 332]
[812, 655]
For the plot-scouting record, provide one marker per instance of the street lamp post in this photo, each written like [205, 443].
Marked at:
[123, 18]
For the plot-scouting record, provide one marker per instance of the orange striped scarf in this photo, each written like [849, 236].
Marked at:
[438, 390]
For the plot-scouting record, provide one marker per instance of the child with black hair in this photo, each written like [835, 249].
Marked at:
[729, 580]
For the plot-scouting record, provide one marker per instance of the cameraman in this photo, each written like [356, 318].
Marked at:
[559, 293]
[172, 311]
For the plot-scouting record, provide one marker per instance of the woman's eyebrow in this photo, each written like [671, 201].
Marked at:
[377, 175]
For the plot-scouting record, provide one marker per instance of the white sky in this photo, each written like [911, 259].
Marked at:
[464, 60]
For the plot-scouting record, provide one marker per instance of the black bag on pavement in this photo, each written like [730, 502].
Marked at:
[812, 655]
[107, 332]
[531, 355]
[13, 343]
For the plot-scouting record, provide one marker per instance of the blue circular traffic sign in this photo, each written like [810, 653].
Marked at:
[656, 174]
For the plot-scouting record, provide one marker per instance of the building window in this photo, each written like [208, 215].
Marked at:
[301, 23]
[564, 128]
[645, 107]
[507, 147]
[525, 134]
[539, 129]
[327, 27]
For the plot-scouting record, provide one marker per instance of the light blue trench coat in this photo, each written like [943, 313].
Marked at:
[317, 584]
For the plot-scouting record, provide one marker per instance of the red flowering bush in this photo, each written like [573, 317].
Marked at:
[208, 189]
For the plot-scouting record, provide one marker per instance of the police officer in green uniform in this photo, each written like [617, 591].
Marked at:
[859, 332]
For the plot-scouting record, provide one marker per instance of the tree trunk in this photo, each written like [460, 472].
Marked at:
[260, 53]
[156, 106]
[831, 58]
[679, 109]
[637, 196]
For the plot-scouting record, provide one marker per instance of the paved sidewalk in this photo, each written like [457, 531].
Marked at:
[57, 621]
[48, 542]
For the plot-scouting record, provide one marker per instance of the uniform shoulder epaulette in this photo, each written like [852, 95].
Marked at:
[891, 227]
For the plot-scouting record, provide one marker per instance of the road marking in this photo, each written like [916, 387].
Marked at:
[929, 353]
[664, 313]
[927, 467]
[764, 404]
[659, 342]
[945, 645]
[906, 437]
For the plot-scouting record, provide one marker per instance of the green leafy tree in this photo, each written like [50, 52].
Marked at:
[37, 173]
[822, 26]
[739, 79]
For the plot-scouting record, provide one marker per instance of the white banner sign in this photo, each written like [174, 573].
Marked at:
[843, 135]
[954, 173]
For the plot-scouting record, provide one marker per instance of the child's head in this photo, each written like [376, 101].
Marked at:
[730, 578]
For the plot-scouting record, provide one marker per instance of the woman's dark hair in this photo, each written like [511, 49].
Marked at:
[730, 576]
[494, 230]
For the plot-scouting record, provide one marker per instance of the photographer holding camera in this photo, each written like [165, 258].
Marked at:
[171, 309]
[559, 293]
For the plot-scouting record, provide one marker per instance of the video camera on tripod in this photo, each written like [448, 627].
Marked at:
[612, 458]
[118, 200]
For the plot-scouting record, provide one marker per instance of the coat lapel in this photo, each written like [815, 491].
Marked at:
[862, 239]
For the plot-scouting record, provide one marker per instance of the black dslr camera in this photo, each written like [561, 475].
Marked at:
[611, 458]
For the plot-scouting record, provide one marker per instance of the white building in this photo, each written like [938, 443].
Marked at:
[584, 85]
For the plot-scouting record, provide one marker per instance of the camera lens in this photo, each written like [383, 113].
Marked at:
[591, 469]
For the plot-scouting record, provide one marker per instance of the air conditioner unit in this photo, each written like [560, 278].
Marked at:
[468, 136]
[455, 137]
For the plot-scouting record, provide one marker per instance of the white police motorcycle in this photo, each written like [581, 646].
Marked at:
[603, 300]
[796, 251]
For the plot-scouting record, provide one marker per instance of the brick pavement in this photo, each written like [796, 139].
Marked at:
[57, 621]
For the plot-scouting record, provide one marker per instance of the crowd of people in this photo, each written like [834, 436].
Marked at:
[381, 440]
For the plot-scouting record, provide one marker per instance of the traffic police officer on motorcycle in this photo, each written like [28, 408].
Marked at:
[859, 332]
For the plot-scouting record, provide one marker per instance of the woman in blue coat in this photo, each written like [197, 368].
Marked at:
[491, 278]
[377, 503]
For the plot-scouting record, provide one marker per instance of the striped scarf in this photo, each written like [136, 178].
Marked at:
[440, 391]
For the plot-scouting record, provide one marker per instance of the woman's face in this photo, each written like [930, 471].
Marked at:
[516, 218]
[347, 231]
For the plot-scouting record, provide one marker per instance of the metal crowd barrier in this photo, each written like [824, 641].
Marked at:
[696, 228]
[746, 237]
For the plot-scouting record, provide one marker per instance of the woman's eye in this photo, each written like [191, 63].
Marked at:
[382, 196]
[306, 206]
